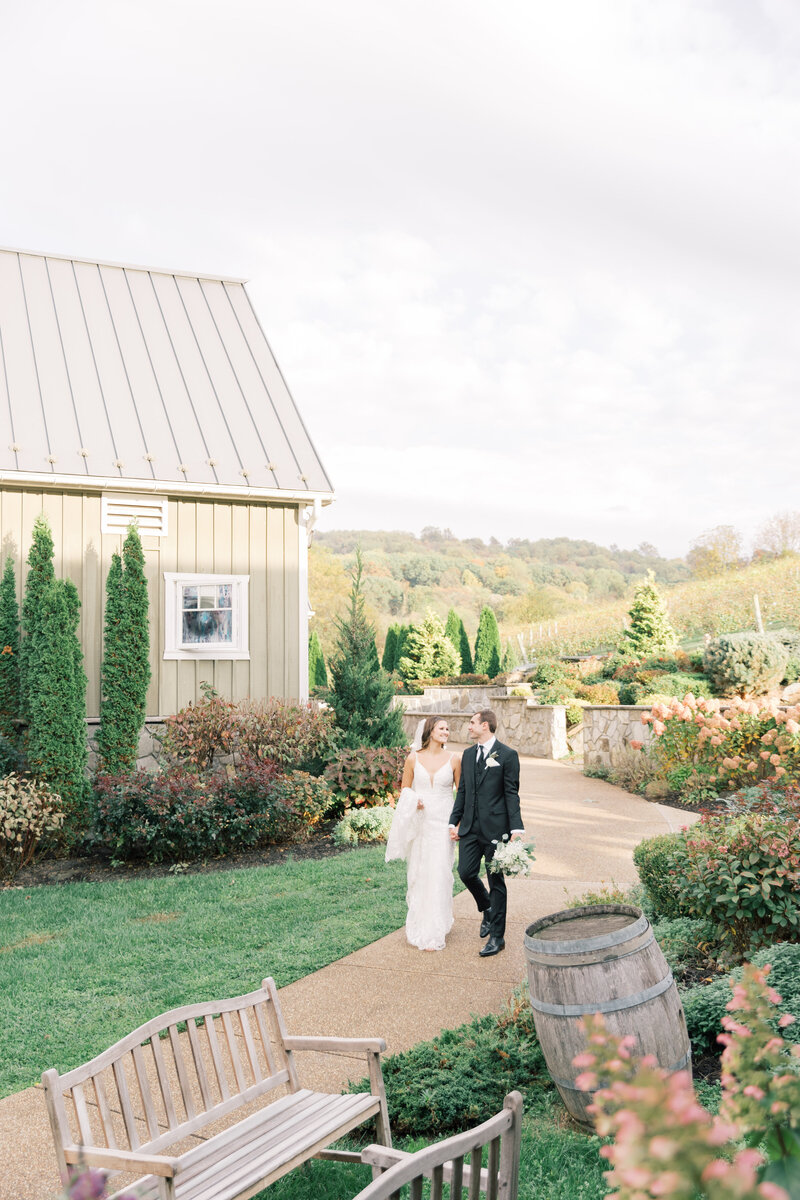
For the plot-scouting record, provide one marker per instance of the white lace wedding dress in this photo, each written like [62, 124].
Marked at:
[421, 835]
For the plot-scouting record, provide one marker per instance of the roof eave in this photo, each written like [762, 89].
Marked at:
[211, 491]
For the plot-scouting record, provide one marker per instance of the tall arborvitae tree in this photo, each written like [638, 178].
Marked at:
[509, 658]
[361, 691]
[389, 649]
[454, 629]
[650, 630]
[317, 672]
[41, 574]
[487, 645]
[400, 645]
[126, 660]
[56, 741]
[9, 651]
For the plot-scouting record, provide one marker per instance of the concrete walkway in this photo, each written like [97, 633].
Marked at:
[584, 830]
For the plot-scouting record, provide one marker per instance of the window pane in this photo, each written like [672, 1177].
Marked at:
[190, 597]
[224, 595]
[208, 596]
[208, 627]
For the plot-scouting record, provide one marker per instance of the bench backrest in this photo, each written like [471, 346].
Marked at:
[445, 1163]
[155, 1086]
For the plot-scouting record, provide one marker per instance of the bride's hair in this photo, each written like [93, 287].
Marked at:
[427, 730]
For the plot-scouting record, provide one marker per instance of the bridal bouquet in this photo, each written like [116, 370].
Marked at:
[512, 858]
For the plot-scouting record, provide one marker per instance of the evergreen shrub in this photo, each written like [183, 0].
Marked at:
[29, 813]
[744, 664]
[317, 672]
[487, 657]
[654, 859]
[9, 652]
[389, 649]
[41, 574]
[462, 1076]
[454, 629]
[649, 630]
[685, 943]
[364, 825]
[429, 653]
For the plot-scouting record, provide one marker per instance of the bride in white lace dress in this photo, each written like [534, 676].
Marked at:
[421, 835]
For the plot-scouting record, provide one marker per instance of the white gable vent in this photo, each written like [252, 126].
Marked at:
[147, 513]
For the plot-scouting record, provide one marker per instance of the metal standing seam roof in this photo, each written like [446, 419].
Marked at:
[137, 376]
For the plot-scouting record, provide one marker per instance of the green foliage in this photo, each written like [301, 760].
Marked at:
[9, 651]
[744, 664]
[125, 674]
[487, 656]
[649, 685]
[649, 630]
[455, 631]
[400, 645]
[462, 1076]
[429, 653]
[367, 774]
[364, 825]
[361, 692]
[685, 943]
[389, 649]
[41, 574]
[549, 671]
[704, 1004]
[317, 672]
[29, 813]
[604, 692]
[56, 690]
[654, 859]
[607, 893]
[596, 771]
[301, 800]
[509, 659]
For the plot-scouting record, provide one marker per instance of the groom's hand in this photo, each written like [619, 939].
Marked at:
[517, 835]
[453, 833]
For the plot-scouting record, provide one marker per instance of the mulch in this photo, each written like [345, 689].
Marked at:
[98, 869]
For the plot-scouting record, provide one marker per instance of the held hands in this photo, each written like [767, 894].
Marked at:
[453, 833]
[420, 804]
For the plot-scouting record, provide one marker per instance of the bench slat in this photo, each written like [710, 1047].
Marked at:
[199, 1065]
[294, 1082]
[180, 1067]
[216, 1057]
[250, 1045]
[227, 1025]
[475, 1174]
[144, 1092]
[106, 1120]
[82, 1115]
[492, 1168]
[125, 1104]
[261, 1021]
[163, 1081]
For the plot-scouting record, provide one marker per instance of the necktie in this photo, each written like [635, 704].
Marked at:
[480, 756]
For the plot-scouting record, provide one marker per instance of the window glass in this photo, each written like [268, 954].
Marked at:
[207, 615]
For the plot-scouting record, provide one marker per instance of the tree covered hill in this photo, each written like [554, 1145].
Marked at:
[523, 580]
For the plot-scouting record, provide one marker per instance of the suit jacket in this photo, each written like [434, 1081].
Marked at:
[487, 800]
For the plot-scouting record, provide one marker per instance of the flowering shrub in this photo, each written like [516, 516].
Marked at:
[604, 692]
[654, 859]
[364, 825]
[744, 664]
[295, 735]
[731, 743]
[181, 815]
[743, 875]
[28, 813]
[366, 775]
[666, 1144]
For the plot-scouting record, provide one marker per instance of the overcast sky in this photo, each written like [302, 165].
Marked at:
[530, 268]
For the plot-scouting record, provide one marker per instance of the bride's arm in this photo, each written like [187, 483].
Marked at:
[408, 771]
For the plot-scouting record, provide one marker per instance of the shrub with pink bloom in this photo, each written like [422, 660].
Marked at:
[666, 1144]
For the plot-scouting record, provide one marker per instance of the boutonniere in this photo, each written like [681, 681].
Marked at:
[492, 760]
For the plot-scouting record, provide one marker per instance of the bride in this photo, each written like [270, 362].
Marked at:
[421, 835]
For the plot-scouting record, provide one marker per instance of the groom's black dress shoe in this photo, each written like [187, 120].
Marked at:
[493, 946]
[486, 925]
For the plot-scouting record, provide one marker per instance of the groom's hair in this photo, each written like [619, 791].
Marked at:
[488, 717]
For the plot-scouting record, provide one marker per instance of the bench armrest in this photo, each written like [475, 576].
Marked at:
[334, 1045]
[121, 1160]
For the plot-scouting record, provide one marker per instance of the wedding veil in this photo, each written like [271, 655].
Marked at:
[417, 742]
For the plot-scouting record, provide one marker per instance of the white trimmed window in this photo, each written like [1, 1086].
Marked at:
[147, 513]
[206, 616]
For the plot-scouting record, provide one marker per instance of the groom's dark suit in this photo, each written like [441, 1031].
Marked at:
[486, 809]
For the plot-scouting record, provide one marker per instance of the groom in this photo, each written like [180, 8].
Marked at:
[486, 810]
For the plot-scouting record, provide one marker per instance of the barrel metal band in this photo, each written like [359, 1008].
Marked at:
[560, 966]
[569, 1084]
[583, 945]
[603, 1006]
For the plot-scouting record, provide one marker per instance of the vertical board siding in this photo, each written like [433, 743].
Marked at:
[237, 538]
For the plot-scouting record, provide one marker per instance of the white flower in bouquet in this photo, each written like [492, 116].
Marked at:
[512, 857]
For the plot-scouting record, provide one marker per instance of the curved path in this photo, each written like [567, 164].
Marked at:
[584, 830]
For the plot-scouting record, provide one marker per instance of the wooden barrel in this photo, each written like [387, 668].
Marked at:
[601, 958]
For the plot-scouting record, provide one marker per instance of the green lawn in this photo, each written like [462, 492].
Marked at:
[83, 964]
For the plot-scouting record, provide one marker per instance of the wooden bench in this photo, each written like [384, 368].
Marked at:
[444, 1162]
[131, 1107]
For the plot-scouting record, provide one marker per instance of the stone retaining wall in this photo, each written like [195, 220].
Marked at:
[453, 699]
[150, 740]
[539, 730]
[609, 729]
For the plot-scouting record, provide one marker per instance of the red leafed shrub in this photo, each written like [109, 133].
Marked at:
[367, 775]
